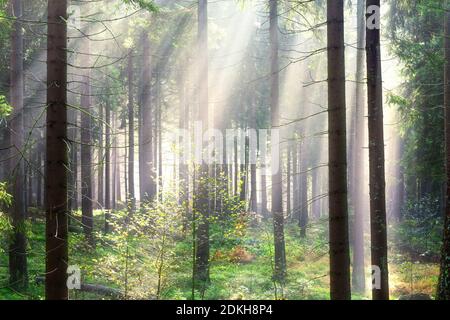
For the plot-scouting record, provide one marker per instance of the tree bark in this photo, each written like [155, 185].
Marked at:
[377, 184]
[202, 203]
[236, 168]
[253, 182]
[303, 191]
[116, 195]
[101, 162]
[86, 161]
[18, 271]
[39, 197]
[73, 174]
[315, 198]
[160, 160]
[295, 182]
[183, 169]
[108, 162]
[337, 149]
[264, 209]
[288, 182]
[358, 278]
[277, 179]
[57, 156]
[147, 169]
[131, 194]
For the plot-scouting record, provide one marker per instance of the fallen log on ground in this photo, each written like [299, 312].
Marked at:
[92, 288]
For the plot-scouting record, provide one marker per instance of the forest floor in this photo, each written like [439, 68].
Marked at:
[241, 271]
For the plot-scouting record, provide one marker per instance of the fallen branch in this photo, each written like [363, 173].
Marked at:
[93, 288]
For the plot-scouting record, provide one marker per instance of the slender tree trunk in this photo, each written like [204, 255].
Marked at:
[288, 182]
[358, 278]
[116, 174]
[101, 165]
[225, 181]
[303, 190]
[183, 170]
[202, 203]
[377, 183]
[29, 180]
[147, 170]
[337, 147]
[87, 218]
[244, 172]
[443, 291]
[315, 187]
[155, 133]
[108, 163]
[160, 160]
[236, 168]
[253, 188]
[296, 186]
[131, 194]
[125, 166]
[57, 156]
[264, 209]
[18, 271]
[86, 161]
[39, 166]
[72, 132]
[253, 157]
[277, 179]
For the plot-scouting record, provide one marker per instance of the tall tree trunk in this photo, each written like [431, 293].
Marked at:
[288, 182]
[337, 148]
[183, 170]
[236, 168]
[18, 273]
[377, 185]
[253, 187]
[303, 191]
[73, 174]
[264, 209]
[86, 160]
[160, 161]
[131, 194]
[116, 196]
[443, 291]
[277, 179]
[125, 167]
[315, 198]
[101, 162]
[39, 165]
[296, 178]
[29, 179]
[202, 203]
[146, 166]
[87, 218]
[358, 278]
[244, 172]
[107, 163]
[56, 172]
[253, 157]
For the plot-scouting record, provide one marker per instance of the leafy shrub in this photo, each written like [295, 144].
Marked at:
[5, 224]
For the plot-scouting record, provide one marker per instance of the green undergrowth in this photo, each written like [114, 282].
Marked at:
[241, 265]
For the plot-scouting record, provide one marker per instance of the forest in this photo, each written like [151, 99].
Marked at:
[224, 150]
